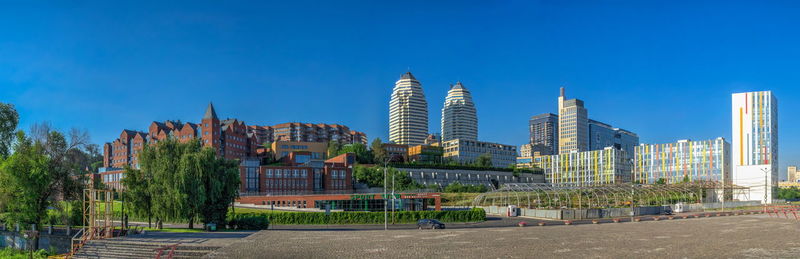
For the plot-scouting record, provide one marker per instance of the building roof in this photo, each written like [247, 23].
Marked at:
[408, 75]
[210, 112]
[458, 85]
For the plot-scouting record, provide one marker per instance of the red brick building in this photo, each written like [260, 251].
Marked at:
[298, 174]
[232, 139]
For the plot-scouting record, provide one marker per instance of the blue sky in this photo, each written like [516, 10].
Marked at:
[663, 69]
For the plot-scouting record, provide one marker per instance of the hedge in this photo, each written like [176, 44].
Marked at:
[249, 221]
[350, 217]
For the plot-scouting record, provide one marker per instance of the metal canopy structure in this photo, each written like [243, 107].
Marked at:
[545, 195]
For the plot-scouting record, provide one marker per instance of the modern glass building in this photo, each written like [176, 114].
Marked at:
[686, 160]
[596, 167]
[602, 135]
[459, 117]
[408, 112]
[755, 143]
[543, 134]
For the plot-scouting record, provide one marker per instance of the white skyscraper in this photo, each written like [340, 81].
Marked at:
[408, 112]
[459, 117]
[755, 143]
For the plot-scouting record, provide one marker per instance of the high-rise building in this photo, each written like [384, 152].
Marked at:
[602, 135]
[793, 174]
[587, 168]
[459, 117]
[544, 134]
[686, 160]
[408, 112]
[573, 125]
[755, 143]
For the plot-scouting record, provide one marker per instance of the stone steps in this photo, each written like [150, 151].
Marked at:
[122, 248]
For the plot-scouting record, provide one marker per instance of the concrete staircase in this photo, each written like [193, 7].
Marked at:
[123, 248]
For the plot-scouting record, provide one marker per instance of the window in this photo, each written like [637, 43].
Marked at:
[269, 172]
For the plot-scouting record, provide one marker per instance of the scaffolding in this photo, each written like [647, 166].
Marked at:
[550, 196]
[98, 213]
[98, 218]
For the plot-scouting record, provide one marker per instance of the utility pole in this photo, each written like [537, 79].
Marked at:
[385, 210]
[633, 189]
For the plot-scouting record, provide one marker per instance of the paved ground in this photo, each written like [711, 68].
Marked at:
[198, 238]
[755, 236]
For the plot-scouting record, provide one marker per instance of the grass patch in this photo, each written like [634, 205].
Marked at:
[459, 199]
[11, 253]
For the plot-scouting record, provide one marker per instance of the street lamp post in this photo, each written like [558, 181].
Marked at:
[766, 185]
[385, 198]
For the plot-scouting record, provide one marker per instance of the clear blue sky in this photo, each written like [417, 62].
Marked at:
[662, 69]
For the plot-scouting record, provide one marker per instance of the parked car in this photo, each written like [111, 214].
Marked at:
[430, 224]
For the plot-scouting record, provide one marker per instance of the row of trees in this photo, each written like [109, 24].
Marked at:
[41, 170]
[181, 181]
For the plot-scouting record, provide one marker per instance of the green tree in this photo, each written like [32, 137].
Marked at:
[137, 193]
[182, 181]
[189, 174]
[484, 160]
[661, 181]
[27, 179]
[333, 148]
[373, 177]
[378, 152]
[8, 125]
[221, 186]
[363, 155]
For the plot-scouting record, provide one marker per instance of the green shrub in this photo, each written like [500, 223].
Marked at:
[351, 217]
[250, 221]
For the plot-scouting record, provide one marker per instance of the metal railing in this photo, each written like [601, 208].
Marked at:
[171, 251]
[785, 210]
[81, 241]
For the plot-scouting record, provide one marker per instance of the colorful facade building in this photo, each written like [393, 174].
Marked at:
[596, 167]
[755, 143]
[686, 160]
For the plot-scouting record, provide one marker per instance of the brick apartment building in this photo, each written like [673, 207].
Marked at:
[231, 138]
[307, 132]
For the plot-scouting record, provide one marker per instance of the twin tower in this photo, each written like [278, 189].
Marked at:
[408, 113]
